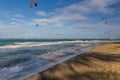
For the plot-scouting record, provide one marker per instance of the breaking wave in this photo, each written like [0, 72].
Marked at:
[33, 44]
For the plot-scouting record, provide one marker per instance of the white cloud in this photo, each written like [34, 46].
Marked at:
[48, 22]
[101, 5]
[76, 16]
[17, 19]
[41, 13]
[20, 22]
[11, 15]
[18, 16]
[75, 12]
[113, 28]
[9, 31]
[89, 6]
[13, 23]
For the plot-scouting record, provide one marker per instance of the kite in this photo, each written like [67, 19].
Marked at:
[106, 21]
[33, 4]
[37, 25]
[58, 34]
[103, 18]
[108, 32]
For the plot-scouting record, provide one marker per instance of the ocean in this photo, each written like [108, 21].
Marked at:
[20, 58]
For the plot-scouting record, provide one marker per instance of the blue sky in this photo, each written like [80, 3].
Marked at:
[71, 19]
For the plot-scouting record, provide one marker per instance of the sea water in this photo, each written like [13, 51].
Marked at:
[20, 58]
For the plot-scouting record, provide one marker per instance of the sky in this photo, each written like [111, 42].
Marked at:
[60, 19]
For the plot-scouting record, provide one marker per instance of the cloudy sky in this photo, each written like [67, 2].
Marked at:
[78, 19]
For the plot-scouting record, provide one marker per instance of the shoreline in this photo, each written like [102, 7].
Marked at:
[40, 63]
[87, 66]
[67, 58]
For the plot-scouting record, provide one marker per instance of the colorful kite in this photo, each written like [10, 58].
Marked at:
[106, 21]
[33, 4]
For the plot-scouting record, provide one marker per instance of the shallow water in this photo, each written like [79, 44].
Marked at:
[23, 59]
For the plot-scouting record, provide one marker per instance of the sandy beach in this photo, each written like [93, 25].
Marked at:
[101, 63]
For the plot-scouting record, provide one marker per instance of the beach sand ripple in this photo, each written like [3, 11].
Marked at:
[101, 63]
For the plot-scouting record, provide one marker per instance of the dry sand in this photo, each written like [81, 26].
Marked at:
[101, 63]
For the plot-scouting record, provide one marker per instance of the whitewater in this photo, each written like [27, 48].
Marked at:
[19, 60]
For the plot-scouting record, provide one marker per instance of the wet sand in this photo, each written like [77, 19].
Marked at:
[101, 63]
